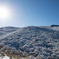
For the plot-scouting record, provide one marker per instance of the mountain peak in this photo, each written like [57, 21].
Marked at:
[54, 25]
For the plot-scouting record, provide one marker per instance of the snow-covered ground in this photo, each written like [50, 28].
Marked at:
[6, 57]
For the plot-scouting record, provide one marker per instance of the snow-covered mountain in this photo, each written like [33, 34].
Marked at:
[42, 40]
[5, 30]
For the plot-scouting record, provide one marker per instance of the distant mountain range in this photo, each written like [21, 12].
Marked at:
[36, 40]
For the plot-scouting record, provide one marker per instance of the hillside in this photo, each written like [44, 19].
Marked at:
[33, 40]
[5, 30]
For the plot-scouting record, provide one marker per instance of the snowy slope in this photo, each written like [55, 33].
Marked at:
[34, 40]
[5, 30]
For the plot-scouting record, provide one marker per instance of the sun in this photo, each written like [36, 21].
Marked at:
[4, 13]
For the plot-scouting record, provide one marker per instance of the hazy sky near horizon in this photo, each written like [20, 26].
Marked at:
[31, 12]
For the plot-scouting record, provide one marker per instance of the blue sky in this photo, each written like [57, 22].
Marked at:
[32, 12]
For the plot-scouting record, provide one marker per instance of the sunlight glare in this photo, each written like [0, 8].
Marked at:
[4, 13]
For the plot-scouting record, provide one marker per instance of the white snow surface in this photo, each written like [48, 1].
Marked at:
[6, 57]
